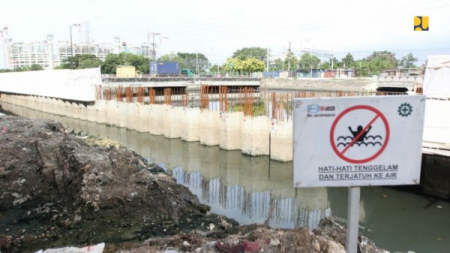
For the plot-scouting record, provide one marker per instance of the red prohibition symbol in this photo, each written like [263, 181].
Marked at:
[378, 116]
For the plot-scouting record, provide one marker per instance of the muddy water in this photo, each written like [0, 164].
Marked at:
[257, 190]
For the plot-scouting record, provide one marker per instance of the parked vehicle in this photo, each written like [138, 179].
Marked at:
[187, 72]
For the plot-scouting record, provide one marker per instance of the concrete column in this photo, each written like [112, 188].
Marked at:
[133, 115]
[144, 121]
[91, 113]
[60, 108]
[113, 113]
[190, 124]
[209, 127]
[160, 119]
[230, 130]
[83, 112]
[123, 114]
[166, 127]
[76, 110]
[152, 119]
[281, 136]
[172, 129]
[255, 136]
[102, 113]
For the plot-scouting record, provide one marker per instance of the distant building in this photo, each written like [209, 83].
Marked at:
[99, 50]
[125, 71]
[401, 72]
[48, 55]
[21, 54]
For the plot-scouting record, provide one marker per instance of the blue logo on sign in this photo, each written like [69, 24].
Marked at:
[313, 108]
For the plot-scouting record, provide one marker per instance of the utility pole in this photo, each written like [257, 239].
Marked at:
[267, 60]
[196, 64]
[289, 60]
[5, 40]
[160, 44]
[71, 44]
[310, 56]
[153, 52]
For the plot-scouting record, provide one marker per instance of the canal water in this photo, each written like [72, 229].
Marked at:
[258, 190]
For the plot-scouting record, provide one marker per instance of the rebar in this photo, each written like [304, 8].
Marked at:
[204, 97]
[168, 96]
[140, 94]
[185, 100]
[119, 94]
[108, 94]
[223, 98]
[152, 96]
[129, 94]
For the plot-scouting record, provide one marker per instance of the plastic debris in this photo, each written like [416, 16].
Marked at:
[91, 249]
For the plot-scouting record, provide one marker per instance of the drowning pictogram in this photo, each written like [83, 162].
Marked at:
[359, 134]
[361, 138]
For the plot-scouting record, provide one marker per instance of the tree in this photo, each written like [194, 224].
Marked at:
[408, 61]
[247, 65]
[336, 63]
[215, 68]
[290, 58]
[140, 62]
[251, 52]
[253, 65]
[308, 61]
[325, 65]
[190, 61]
[111, 63]
[348, 61]
[81, 61]
[36, 67]
[386, 57]
[171, 58]
[277, 65]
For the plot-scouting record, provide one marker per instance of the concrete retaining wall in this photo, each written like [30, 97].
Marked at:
[231, 131]
[77, 85]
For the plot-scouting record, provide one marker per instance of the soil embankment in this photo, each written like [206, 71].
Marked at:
[57, 190]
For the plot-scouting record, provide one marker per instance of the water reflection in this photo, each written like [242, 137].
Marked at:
[257, 190]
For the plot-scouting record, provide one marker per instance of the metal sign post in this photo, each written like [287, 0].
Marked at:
[357, 141]
[353, 218]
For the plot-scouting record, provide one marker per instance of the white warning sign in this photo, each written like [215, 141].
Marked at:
[358, 141]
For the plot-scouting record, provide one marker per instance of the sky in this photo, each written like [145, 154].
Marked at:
[219, 28]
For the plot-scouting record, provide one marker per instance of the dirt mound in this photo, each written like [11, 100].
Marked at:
[57, 191]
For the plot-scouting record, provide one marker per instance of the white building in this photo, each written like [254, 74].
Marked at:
[21, 54]
[99, 50]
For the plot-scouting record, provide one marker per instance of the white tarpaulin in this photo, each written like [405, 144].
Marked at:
[436, 83]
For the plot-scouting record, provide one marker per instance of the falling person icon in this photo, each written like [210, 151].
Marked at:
[359, 130]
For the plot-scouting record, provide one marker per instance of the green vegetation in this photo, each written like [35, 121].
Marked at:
[33, 67]
[251, 52]
[259, 108]
[244, 65]
[83, 61]
[245, 60]
[188, 60]
[141, 63]
[308, 61]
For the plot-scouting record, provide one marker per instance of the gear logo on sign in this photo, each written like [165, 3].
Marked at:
[405, 110]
